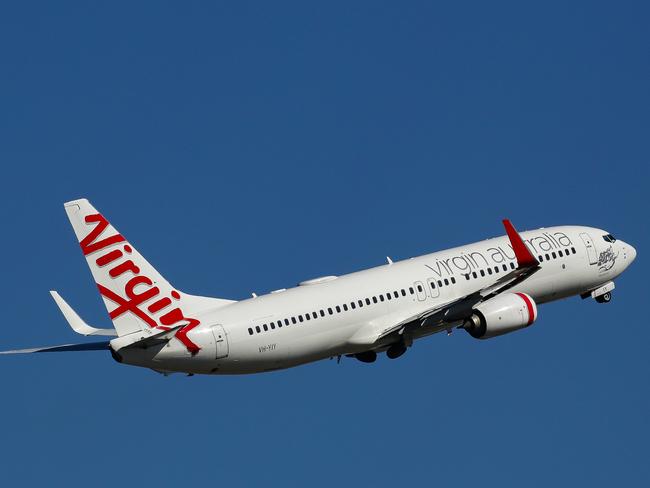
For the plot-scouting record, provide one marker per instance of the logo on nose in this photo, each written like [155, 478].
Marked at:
[606, 259]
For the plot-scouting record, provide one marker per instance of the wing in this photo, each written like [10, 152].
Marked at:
[443, 314]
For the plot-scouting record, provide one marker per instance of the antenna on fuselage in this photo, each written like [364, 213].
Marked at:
[390, 261]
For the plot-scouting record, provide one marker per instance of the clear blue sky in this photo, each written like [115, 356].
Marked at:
[247, 146]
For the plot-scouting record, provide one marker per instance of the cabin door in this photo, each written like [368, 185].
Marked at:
[591, 249]
[221, 340]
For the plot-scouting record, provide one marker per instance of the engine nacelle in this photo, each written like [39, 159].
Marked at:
[500, 315]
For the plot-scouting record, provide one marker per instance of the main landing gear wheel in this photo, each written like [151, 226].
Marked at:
[604, 298]
[395, 351]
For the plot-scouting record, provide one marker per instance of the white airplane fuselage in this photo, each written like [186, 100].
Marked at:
[336, 316]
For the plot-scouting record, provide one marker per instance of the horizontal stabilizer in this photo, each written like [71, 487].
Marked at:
[89, 346]
[137, 341]
[76, 322]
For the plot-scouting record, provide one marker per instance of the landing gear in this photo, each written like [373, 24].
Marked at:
[366, 356]
[396, 350]
[604, 298]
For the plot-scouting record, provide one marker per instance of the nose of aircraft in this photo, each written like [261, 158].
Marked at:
[629, 253]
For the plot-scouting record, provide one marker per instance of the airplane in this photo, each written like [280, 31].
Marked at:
[488, 288]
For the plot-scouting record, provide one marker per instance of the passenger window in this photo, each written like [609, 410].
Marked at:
[573, 250]
[293, 320]
[420, 288]
[540, 259]
[300, 319]
[482, 273]
[272, 325]
[345, 307]
[403, 292]
[257, 328]
[496, 269]
[411, 290]
[352, 304]
[322, 313]
[314, 314]
[446, 282]
[505, 268]
[360, 302]
[279, 323]
[467, 276]
[548, 257]
[329, 310]
[474, 274]
[307, 316]
[374, 299]
[338, 309]
[512, 265]
[286, 321]
[453, 280]
[367, 301]
[439, 283]
[388, 295]
[560, 253]
[433, 284]
[395, 294]
[265, 327]
[250, 331]
[554, 255]
[381, 298]
[489, 270]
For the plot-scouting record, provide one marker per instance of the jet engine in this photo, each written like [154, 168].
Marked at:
[502, 314]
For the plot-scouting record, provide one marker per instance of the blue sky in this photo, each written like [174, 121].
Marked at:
[247, 146]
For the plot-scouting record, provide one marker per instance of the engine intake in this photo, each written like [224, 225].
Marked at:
[501, 315]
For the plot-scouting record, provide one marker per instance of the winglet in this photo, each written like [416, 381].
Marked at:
[525, 258]
[76, 322]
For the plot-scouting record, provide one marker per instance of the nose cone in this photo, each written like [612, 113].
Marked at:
[629, 253]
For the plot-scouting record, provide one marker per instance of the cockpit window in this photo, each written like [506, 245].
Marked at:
[609, 238]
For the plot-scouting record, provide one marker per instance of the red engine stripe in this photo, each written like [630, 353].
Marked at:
[529, 306]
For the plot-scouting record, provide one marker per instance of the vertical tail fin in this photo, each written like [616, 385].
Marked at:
[137, 297]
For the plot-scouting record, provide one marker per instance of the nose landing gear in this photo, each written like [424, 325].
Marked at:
[604, 298]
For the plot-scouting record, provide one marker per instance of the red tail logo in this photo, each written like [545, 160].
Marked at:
[135, 299]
